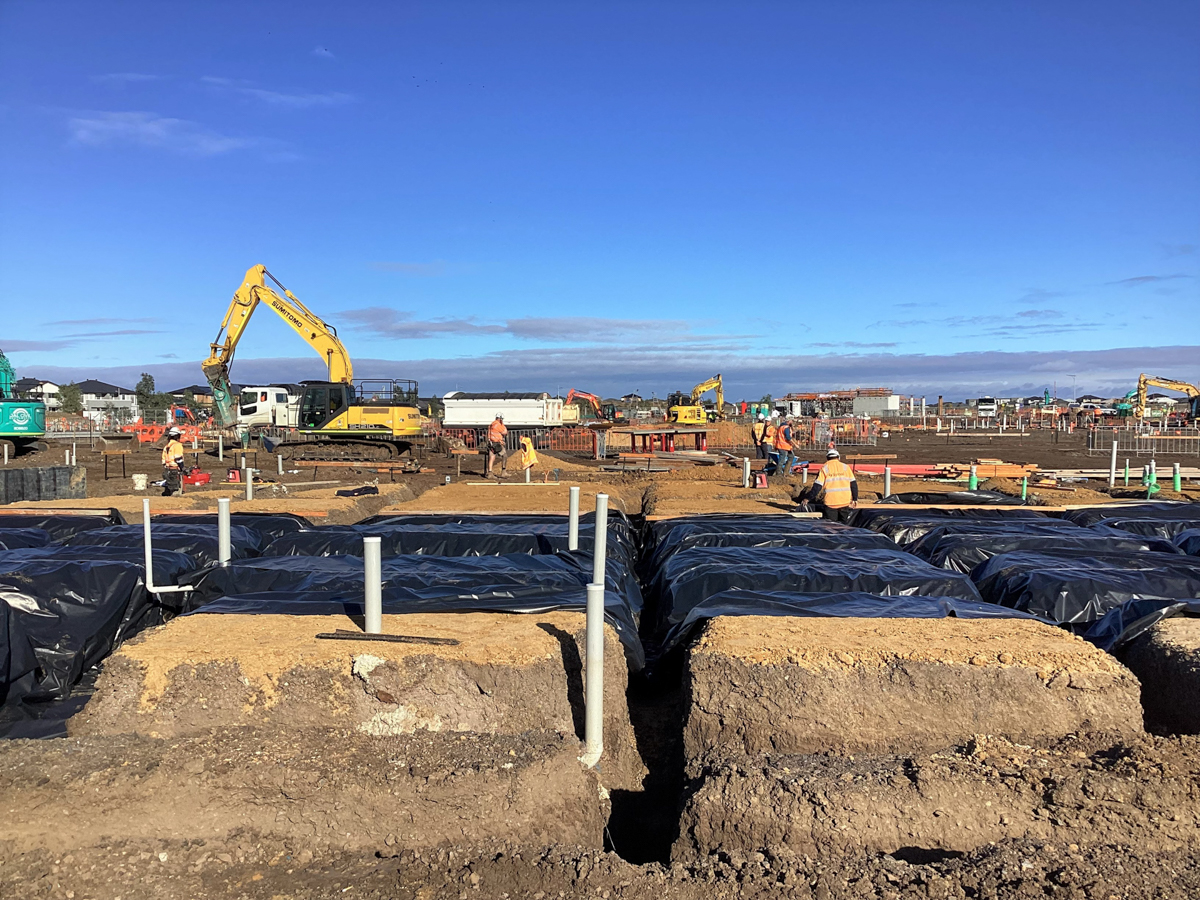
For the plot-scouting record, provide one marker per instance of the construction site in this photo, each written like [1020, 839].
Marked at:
[346, 655]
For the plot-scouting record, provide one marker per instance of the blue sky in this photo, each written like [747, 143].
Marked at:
[942, 197]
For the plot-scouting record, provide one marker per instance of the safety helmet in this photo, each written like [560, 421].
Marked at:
[832, 454]
[173, 432]
[761, 417]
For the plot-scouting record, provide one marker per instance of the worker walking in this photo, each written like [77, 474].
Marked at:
[783, 445]
[496, 435]
[172, 463]
[758, 434]
[839, 487]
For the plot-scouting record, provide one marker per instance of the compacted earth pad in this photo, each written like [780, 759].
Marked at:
[814, 685]
[508, 674]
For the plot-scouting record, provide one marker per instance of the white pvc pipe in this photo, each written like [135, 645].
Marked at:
[573, 518]
[593, 691]
[6, 454]
[745, 471]
[1153, 469]
[372, 585]
[221, 447]
[248, 477]
[149, 557]
[1112, 466]
[68, 459]
[887, 481]
[224, 551]
[279, 459]
[527, 475]
[74, 457]
[600, 547]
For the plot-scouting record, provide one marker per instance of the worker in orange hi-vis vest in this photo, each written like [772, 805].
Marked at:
[839, 487]
[496, 435]
[783, 445]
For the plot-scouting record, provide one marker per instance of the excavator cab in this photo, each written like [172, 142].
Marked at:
[322, 402]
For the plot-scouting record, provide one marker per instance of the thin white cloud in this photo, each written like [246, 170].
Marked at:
[146, 129]
[1139, 280]
[126, 78]
[279, 98]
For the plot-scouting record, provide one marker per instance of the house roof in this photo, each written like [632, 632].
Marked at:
[92, 386]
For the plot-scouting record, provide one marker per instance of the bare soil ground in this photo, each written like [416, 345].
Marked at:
[1167, 662]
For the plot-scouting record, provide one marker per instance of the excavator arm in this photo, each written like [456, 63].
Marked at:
[1148, 381]
[573, 395]
[254, 290]
[715, 385]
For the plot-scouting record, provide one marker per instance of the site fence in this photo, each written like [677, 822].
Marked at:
[1145, 440]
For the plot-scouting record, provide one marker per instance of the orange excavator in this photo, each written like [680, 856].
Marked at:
[606, 412]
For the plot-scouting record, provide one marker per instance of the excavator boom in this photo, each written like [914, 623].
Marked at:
[254, 290]
[694, 413]
[1147, 381]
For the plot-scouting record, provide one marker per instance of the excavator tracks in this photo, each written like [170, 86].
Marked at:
[344, 450]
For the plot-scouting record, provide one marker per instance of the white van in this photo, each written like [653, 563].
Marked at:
[269, 406]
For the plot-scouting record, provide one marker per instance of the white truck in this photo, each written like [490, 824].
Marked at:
[468, 410]
[269, 406]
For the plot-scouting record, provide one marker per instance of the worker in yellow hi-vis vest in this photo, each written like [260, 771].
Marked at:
[172, 463]
[837, 487]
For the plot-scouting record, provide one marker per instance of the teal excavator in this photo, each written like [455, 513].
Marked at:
[22, 421]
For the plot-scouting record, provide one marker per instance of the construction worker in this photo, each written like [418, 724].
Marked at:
[838, 488]
[172, 463]
[783, 446]
[528, 454]
[758, 433]
[496, 435]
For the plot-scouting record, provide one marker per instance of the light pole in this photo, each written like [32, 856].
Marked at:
[1073, 397]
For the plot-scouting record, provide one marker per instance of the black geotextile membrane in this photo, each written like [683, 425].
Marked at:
[692, 576]
[1132, 619]
[399, 600]
[62, 526]
[905, 526]
[490, 538]
[77, 604]
[197, 541]
[972, 498]
[1073, 588]
[22, 538]
[514, 575]
[854, 604]
[1154, 527]
[1189, 541]
[267, 526]
[1162, 509]
[18, 662]
[963, 552]
[668, 536]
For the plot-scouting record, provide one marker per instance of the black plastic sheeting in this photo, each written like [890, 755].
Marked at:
[450, 539]
[428, 577]
[397, 600]
[23, 538]
[62, 526]
[1163, 509]
[197, 541]
[964, 552]
[690, 577]
[268, 526]
[1077, 588]
[973, 498]
[819, 605]
[18, 662]
[1131, 620]
[904, 525]
[1153, 527]
[76, 604]
[1189, 541]
[669, 536]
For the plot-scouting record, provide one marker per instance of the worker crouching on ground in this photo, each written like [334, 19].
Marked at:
[758, 434]
[496, 435]
[783, 446]
[836, 489]
[172, 463]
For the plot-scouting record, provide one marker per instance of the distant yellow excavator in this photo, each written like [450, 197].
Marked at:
[686, 409]
[1147, 381]
[339, 419]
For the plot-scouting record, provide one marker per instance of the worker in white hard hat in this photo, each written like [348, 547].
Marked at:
[758, 432]
[496, 446]
[836, 488]
[172, 463]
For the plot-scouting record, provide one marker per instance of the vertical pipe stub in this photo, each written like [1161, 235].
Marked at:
[1112, 465]
[149, 555]
[973, 479]
[887, 481]
[372, 585]
[279, 460]
[223, 540]
[1176, 478]
[573, 518]
[248, 476]
[600, 544]
[745, 471]
[221, 447]
[593, 692]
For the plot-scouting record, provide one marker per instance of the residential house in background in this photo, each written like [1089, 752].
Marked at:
[102, 400]
[46, 391]
[201, 394]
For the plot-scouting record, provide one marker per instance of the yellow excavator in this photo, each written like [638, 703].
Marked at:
[341, 418]
[686, 409]
[1147, 381]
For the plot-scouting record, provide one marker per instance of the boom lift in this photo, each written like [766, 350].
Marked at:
[340, 418]
[1146, 381]
[685, 409]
